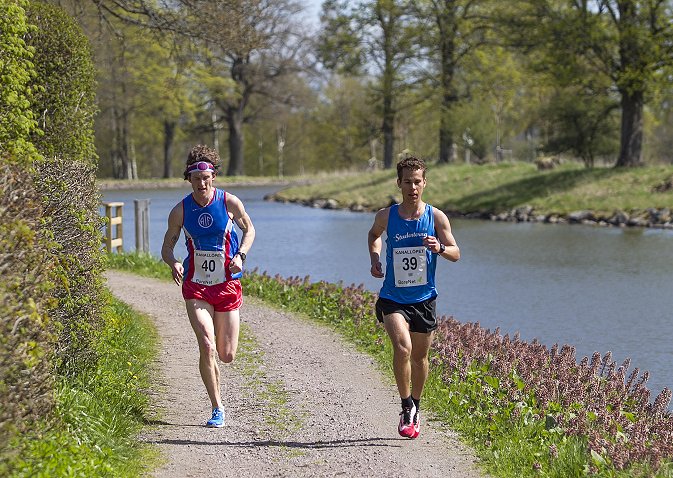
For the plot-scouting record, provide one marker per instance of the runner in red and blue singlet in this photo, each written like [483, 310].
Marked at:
[210, 273]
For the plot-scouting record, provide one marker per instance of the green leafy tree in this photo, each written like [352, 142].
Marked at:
[378, 38]
[252, 43]
[455, 29]
[164, 104]
[626, 42]
[344, 126]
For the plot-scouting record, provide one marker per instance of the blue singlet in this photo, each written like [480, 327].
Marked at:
[410, 266]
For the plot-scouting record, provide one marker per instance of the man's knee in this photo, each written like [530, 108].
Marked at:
[402, 350]
[419, 360]
[227, 356]
[207, 347]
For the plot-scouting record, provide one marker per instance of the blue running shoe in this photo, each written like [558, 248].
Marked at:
[217, 420]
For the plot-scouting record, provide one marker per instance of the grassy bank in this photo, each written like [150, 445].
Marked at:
[496, 188]
[526, 410]
[99, 412]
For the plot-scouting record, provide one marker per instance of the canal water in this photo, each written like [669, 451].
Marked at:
[597, 289]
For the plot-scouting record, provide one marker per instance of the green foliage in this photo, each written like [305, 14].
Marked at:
[64, 99]
[71, 200]
[340, 45]
[344, 125]
[65, 179]
[585, 125]
[143, 264]
[16, 71]
[26, 351]
[601, 47]
[99, 412]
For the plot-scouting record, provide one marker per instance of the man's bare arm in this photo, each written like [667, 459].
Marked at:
[243, 221]
[444, 236]
[375, 243]
[170, 240]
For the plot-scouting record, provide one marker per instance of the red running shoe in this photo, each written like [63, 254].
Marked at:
[417, 424]
[406, 426]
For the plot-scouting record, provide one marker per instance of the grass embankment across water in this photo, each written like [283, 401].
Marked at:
[497, 188]
[527, 412]
[99, 411]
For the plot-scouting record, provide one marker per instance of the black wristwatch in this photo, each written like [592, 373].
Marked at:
[242, 254]
[442, 247]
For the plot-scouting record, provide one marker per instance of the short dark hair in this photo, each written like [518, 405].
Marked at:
[201, 152]
[410, 162]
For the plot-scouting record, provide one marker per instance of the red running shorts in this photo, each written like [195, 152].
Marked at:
[224, 297]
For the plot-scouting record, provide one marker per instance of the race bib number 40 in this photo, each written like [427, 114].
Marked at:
[208, 267]
[410, 266]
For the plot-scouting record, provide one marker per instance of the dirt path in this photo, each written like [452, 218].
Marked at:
[299, 401]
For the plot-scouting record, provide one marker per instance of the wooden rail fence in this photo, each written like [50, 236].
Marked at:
[113, 238]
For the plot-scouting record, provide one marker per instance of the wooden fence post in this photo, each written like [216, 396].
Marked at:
[142, 210]
[116, 221]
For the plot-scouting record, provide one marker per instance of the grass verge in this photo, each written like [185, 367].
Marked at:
[99, 412]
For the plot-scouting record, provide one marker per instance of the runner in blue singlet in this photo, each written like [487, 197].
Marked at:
[416, 235]
[211, 271]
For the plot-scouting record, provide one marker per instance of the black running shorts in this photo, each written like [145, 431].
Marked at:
[421, 316]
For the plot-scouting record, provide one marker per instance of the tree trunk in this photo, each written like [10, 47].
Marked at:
[388, 125]
[235, 122]
[446, 26]
[446, 150]
[631, 148]
[120, 144]
[169, 136]
[632, 86]
[388, 133]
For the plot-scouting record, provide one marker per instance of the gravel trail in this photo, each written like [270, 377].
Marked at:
[299, 401]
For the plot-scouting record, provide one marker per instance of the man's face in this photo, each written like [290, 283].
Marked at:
[202, 181]
[411, 184]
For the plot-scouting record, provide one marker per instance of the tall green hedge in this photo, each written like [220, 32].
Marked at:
[25, 340]
[65, 107]
[64, 88]
[25, 261]
[50, 230]
[16, 70]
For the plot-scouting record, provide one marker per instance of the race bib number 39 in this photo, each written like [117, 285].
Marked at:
[208, 267]
[410, 266]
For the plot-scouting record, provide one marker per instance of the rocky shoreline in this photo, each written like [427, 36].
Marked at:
[659, 218]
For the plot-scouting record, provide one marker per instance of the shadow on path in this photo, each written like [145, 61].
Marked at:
[368, 442]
